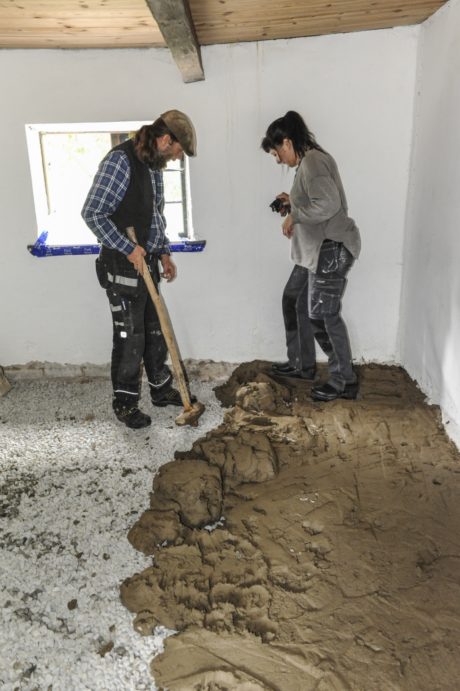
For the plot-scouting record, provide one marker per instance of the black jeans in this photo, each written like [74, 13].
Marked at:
[137, 337]
[312, 304]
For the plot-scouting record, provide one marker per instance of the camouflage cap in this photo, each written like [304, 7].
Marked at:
[182, 128]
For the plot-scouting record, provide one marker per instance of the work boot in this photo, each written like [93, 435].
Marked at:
[164, 397]
[326, 392]
[293, 373]
[131, 416]
[168, 396]
[281, 367]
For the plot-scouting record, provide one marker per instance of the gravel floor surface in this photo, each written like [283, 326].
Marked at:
[73, 481]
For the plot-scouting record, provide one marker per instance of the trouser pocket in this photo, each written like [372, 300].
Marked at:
[334, 260]
[101, 273]
[117, 274]
[128, 283]
[325, 296]
[122, 313]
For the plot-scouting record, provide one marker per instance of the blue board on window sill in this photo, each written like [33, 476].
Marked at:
[41, 249]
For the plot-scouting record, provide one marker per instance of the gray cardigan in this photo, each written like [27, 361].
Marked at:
[319, 210]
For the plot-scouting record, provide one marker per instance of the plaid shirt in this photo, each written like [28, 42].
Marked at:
[108, 189]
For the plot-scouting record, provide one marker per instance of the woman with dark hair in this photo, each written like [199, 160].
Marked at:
[324, 244]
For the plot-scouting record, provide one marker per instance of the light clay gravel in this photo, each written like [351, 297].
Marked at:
[73, 481]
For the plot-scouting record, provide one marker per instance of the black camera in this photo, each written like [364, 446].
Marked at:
[278, 205]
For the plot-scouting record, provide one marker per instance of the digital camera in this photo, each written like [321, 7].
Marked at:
[278, 205]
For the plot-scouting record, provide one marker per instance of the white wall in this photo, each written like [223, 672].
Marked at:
[355, 91]
[431, 295]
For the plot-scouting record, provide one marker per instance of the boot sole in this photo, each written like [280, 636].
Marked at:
[166, 403]
[143, 426]
[344, 396]
[295, 377]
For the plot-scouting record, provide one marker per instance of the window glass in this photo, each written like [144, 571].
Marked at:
[175, 219]
[63, 164]
[173, 185]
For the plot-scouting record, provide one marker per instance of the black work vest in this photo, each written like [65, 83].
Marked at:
[136, 207]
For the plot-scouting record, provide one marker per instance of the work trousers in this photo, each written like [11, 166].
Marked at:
[312, 303]
[137, 337]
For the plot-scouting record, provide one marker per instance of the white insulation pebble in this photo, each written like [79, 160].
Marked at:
[73, 481]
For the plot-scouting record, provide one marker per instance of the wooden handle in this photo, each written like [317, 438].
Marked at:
[167, 329]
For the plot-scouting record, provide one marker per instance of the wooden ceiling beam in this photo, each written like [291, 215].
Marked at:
[175, 22]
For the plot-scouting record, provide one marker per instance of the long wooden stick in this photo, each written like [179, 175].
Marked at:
[167, 329]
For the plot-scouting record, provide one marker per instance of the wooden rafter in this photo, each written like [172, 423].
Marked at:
[175, 22]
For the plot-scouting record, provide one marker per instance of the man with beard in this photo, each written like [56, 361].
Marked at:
[127, 191]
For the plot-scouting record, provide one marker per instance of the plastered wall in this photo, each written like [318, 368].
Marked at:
[356, 91]
[431, 292]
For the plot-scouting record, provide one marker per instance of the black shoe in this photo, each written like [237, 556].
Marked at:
[132, 417]
[326, 392]
[169, 397]
[281, 367]
[306, 374]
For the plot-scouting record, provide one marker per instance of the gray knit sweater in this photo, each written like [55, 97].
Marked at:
[319, 210]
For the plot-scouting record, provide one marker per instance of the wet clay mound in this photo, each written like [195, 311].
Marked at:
[247, 372]
[377, 382]
[307, 546]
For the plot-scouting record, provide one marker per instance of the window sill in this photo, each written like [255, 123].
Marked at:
[41, 249]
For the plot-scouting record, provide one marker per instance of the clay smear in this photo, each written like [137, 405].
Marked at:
[337, 563]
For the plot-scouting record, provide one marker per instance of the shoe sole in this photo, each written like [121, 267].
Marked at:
[296, 377]
[146, 424]
[165, 404]
[346, 397]
[178, 404]
[139, 427]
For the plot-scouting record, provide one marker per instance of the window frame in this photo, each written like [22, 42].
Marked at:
[34, 138]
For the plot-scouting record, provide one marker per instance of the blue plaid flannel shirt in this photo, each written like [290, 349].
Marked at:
[108, 189]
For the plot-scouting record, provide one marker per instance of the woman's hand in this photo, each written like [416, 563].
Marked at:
[288, 227]
[169, 268]
[284, 198]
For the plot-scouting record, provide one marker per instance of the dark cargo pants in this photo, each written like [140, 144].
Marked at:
[137, 337]
[311, 309]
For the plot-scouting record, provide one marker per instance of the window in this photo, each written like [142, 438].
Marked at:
[63, 161]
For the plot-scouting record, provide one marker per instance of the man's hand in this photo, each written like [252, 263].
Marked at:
[288, 226]
[136, 257]
[169, 268]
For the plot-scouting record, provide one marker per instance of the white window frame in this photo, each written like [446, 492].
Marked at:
[40, 194]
